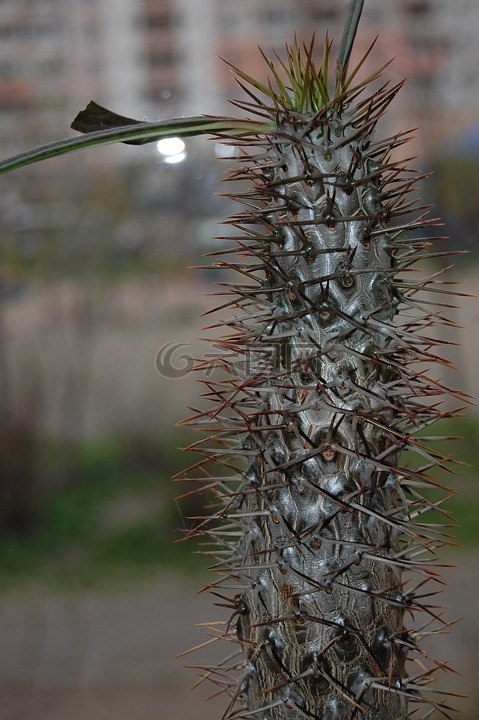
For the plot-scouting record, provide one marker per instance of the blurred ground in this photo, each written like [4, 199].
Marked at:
[103, 656]
[111, 656]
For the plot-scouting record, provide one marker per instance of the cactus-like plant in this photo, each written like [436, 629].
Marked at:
[321, 542]
[320, 530]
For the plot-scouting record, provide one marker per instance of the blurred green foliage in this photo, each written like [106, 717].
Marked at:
[106, 512]
[464, 505]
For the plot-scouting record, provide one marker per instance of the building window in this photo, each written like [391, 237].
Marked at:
[417, 8]
[323, 15]
[165, 56]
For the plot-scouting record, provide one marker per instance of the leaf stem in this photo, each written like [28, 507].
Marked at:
[348, 36]
[136, 133]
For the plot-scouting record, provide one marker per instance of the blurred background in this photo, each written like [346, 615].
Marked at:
[96, 598]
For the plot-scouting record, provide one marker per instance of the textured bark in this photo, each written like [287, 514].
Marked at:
[320, 616]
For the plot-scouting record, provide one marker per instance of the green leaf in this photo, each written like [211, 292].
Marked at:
[132, 132]
[248, 78]
[347, 39]
[96, 117]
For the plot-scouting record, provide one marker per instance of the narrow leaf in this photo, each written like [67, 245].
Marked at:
[347, 39]
[133, 132]
[96, 117]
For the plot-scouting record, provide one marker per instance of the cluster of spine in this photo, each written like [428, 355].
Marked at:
[319, 530]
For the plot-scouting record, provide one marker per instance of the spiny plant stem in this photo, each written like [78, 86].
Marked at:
[318, 530]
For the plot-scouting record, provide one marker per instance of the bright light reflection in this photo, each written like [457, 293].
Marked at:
[173, 159]
[171, 146]
[225, 151]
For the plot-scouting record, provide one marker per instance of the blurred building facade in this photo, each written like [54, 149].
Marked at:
[154, 58]
[159, 58]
